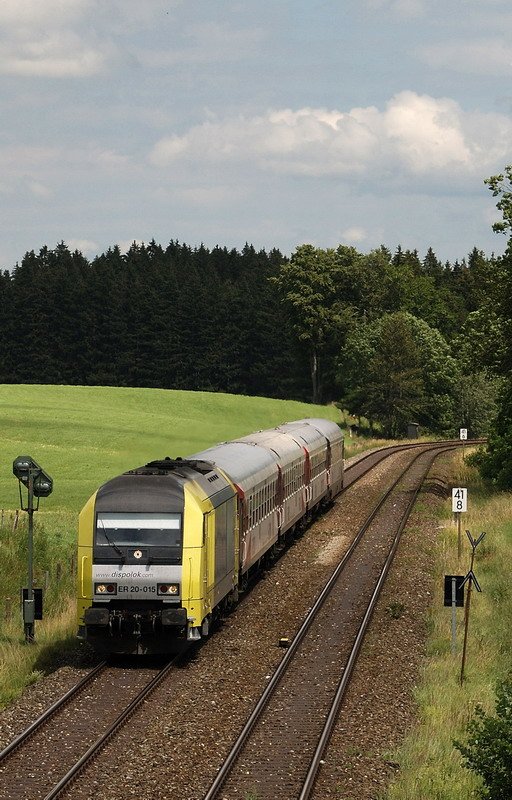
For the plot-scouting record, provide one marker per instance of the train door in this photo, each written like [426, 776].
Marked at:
[208, 561]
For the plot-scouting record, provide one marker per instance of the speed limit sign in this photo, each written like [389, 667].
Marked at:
[459, 500]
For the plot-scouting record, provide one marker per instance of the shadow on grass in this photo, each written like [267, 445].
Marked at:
[68, 652]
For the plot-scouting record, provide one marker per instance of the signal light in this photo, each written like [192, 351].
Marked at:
[38, 484]
[43, 485]
[23, 467]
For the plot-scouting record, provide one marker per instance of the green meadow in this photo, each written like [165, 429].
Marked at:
[84, 435]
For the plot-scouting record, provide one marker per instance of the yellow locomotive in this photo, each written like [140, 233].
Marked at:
[166, 547]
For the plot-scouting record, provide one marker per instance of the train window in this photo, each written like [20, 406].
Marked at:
[318, 464]
[251, 510]
[134, 530]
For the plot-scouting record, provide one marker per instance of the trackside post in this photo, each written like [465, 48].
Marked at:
[470, 579]
[38, 484]
[459, 506]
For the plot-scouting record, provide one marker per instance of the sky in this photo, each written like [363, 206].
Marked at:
[273, 122]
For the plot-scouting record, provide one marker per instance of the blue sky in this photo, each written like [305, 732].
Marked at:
[363, 122]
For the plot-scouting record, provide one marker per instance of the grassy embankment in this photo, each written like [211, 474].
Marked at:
[430, 766]
[82, 436]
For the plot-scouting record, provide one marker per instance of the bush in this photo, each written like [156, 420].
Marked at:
[488, 751]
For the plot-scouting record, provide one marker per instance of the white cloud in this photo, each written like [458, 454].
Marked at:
[414, 135]
[440, 9]
[125, 244]
[85, 246]
[44, 172]
[107, 159]
[74, 38]
[308, 142]
[51, 39]
[354, 235]
[70, 38]
[34, 13]
[122, 15]
[40, 190]
[59, 55]
[427, 133]
[491, 56]
[405, 8]
[33, 159]
[25, 158]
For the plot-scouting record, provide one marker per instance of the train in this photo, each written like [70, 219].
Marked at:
[167, 548]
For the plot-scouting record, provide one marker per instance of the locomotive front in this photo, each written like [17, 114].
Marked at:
[130, 564]
[135, 535]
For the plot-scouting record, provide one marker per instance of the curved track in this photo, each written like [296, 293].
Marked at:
[280, 748]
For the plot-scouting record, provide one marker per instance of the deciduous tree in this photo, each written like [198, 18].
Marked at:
[307, 287]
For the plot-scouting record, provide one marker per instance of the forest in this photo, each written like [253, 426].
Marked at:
[394, 337]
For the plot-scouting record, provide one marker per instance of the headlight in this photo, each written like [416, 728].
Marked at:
[105, 588]
[168, 589]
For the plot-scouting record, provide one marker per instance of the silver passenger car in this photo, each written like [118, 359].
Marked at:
[281, 475]
[335, 448]
[255, 474]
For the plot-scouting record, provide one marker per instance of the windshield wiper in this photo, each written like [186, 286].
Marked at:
[111, 543]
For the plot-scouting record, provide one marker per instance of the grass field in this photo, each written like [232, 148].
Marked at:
[431, 767]
[84, 435]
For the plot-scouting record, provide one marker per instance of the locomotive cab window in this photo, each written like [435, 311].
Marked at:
[162, 533]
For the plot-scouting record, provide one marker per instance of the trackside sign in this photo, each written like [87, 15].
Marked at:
[459, 500]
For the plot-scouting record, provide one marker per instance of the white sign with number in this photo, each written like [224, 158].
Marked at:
[463, 433]
[459, 500]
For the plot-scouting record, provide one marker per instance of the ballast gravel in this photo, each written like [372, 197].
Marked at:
[175, 743]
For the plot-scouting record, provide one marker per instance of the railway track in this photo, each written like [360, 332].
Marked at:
[91, 723]
[280, 748]
[365, 463]
[43, 761]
